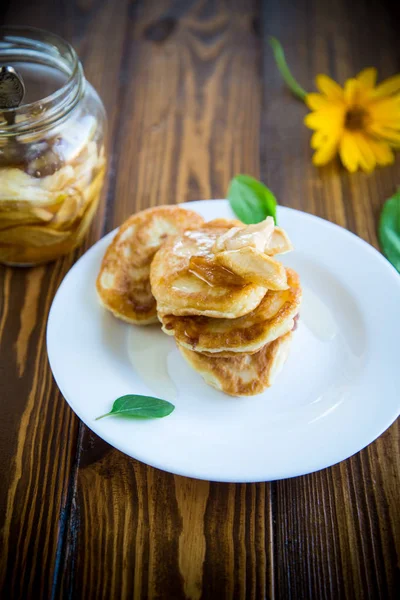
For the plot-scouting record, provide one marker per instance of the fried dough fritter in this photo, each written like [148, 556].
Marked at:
[123, 283]
[272, 318]
[244, 374]
[180, 290]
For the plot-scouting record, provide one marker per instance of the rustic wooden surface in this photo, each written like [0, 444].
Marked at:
[193, 98]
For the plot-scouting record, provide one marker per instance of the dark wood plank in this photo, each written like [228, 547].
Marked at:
[337, 530]
[182, 85]
[191, 114]
[38, 432]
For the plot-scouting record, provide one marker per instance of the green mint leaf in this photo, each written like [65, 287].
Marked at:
[251, 200]
[389, 230]
[284, 70]
[140, 407]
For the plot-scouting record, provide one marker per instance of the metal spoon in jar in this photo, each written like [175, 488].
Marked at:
[12, 91]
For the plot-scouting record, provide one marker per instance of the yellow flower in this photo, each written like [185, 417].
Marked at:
[360, 121]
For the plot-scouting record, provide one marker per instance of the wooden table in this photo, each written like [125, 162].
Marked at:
[193, 97]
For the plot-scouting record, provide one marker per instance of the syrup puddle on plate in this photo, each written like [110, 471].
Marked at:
[148, 350]
[317, 316]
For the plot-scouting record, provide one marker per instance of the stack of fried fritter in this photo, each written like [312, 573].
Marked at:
[216, 287]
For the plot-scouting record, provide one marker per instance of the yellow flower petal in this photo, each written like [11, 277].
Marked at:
[326, 152]
[387, 109]
[385, 102]
[315, 121]
[317, 139]
[328, 119]
[388, 87]
[349, 152]
[381, 117]
[329, 87]
[367, 156]
[382, 151]
[367, 77]
[389, 122]
[385, 133]
[316, 101]
[352, 92]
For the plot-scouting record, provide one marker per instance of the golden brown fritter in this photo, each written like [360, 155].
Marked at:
[244, 374]
[180, 288]
[272, 318]
[123, 283]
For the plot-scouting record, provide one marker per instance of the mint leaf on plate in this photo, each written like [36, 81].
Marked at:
[140, 407]
[251, 200]
[389, 230]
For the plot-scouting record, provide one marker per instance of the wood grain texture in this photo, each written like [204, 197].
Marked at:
[336, 531]
[38, 432]
[193, 97]
[197, 106]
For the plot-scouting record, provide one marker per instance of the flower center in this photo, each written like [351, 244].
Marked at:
[356, 118]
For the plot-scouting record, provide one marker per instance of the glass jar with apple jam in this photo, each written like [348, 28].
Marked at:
[52, 147]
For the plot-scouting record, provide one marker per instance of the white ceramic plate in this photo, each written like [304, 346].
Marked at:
[338, 391]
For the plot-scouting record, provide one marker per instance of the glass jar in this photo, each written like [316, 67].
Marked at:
[52, 150]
